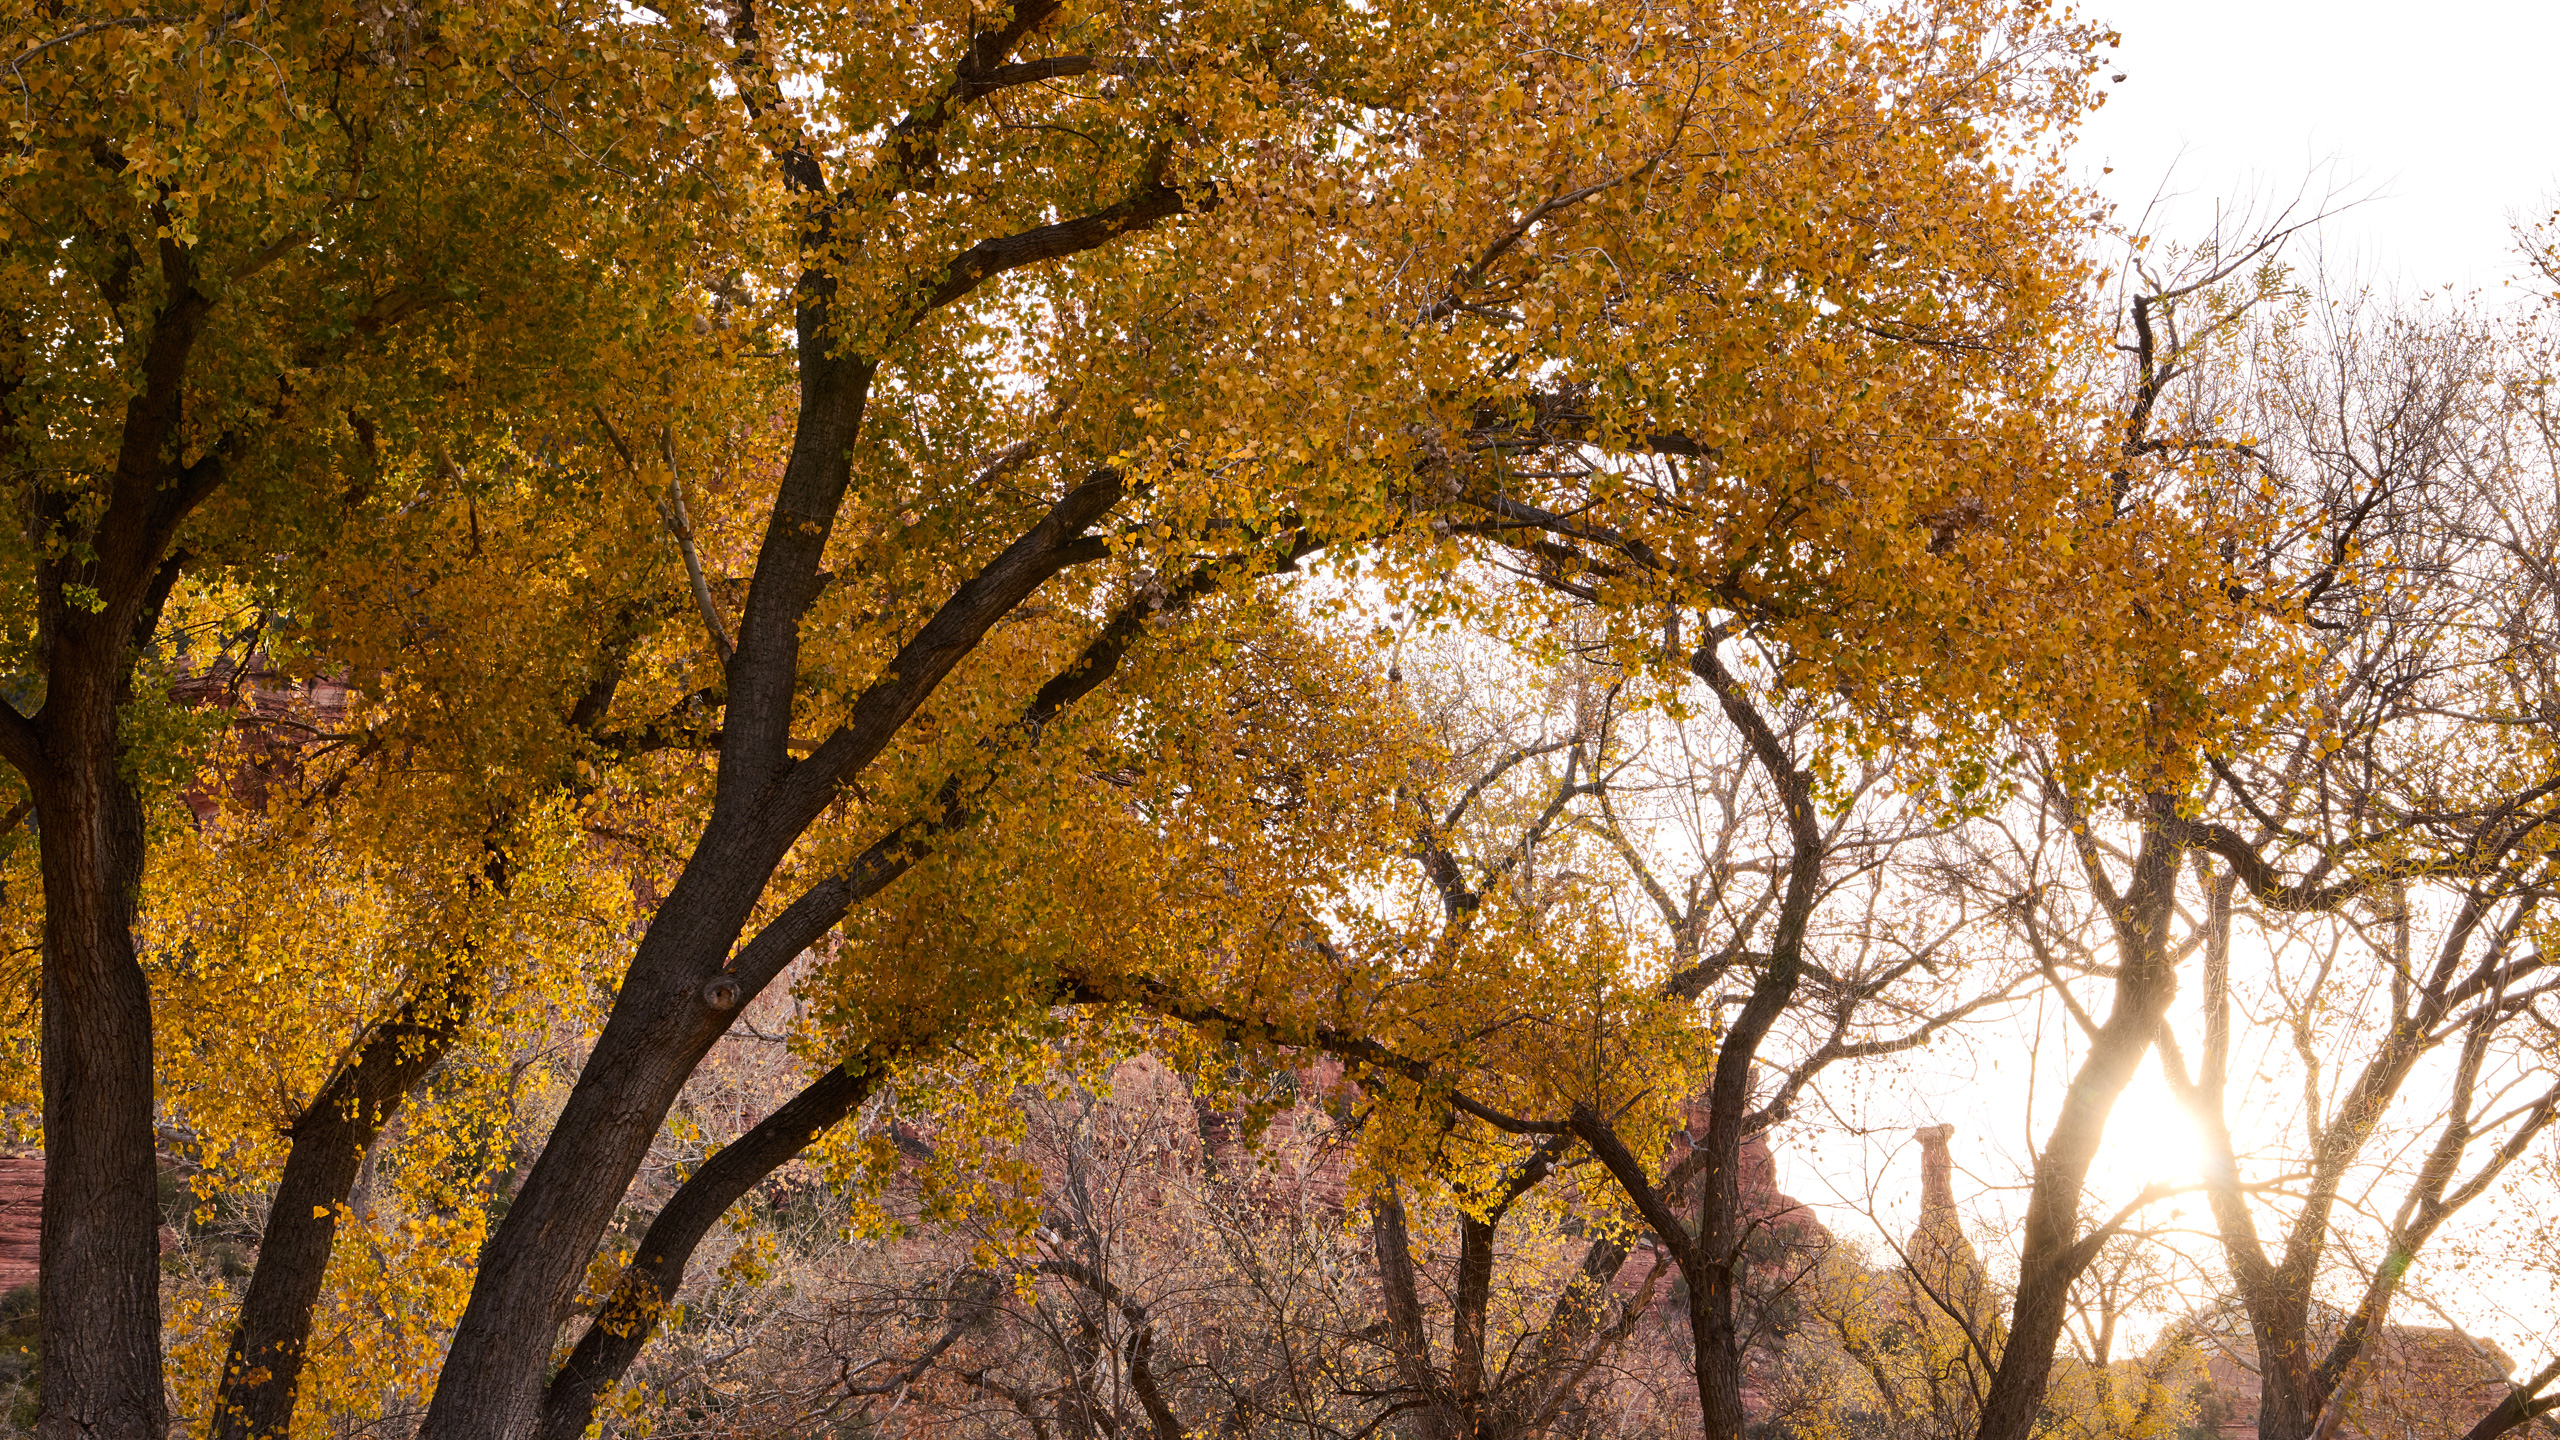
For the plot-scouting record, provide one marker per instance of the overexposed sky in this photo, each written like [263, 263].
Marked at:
[2445, 112]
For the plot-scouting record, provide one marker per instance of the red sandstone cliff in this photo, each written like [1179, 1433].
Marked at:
[21, 1206]
[2422, 1382]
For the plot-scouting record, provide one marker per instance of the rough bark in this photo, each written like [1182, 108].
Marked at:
[263, 1367]
[1407, 1337]
[98, 1282]
[629, 1317]
[1467, 1322]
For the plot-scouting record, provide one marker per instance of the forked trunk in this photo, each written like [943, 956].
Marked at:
[629, 1317]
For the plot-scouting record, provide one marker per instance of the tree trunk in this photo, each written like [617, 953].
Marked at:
[1715, 1267]
[683, 986]
[98, 1286]
[2055, 1252]
[663, 1023]
[1716, 1273]
[664, 1018]
[263, 1367]
[1467, 1321]
[1407, 1337]
[626, 1321]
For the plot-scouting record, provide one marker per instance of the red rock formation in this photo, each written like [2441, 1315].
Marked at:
[2421, 1382]
[21, 1208]
[1938, 1246]
[273, 717]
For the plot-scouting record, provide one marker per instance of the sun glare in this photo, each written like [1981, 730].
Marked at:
[2152, 1141]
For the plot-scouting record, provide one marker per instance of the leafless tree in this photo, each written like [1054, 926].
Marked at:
[2415, 1025]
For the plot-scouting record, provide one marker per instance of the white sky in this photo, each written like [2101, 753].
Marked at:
[2442, 110]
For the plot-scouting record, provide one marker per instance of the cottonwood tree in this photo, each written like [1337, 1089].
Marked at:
[1256, 1337]
[2411, 1030]
[248, 254]
[1550, 829]
[2387, 416]
[1249, 287]
[2182, 315]
[1602, 938]
[1452, 1345]
[2161, 451]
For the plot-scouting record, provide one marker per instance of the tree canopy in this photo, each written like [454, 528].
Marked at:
[554, 537]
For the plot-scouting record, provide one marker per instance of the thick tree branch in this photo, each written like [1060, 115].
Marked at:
[2524, 1403]
[914, 141]
[1153, 201]
[828, 900]
[2261, 879]
[262, 1368]
[1052, 544]
[1654, 1204]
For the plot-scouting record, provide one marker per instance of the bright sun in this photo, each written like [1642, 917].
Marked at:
[2150, 1139]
